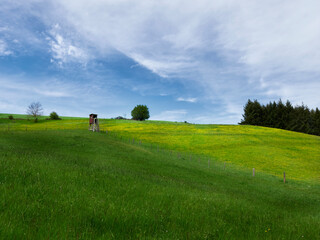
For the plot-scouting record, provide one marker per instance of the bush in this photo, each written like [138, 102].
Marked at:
[140, 112]
[54, 116]
[11, 117]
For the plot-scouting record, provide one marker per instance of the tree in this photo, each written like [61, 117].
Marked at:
[301, 119]
[252, 113]
[289, 115]
[280, 114]
[35, 110]
[284, 116]
[316, 122]
[54, 116]
[247, 116]
[140, 112]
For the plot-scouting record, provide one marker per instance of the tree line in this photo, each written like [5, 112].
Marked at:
[282, 115]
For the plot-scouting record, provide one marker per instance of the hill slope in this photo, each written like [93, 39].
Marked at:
[79, 184]
[267, 150]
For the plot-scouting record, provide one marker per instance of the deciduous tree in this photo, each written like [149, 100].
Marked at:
[140, 112]
[35, 110]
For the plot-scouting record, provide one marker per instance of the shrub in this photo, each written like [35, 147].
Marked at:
[140, 112]
[54, 116]
[10, 117]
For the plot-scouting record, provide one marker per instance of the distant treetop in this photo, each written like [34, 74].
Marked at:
[140, 112]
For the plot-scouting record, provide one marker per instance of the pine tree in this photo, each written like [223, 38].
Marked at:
[270, 114]
[284, 116]
[301, 119]
[280, 115]
[316, 122]
[252, 113]
[247, 109]
[289, 115]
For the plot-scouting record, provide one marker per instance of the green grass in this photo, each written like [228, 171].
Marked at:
[60, 181]
[268, 150]
[78, 184]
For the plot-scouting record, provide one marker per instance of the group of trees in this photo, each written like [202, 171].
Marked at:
[35, 110]
[140, 112]
[282, 115]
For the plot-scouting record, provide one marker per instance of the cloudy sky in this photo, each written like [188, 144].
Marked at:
[198, 61]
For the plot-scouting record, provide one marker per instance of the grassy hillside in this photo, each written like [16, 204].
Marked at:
[267, 150]
[75, 184]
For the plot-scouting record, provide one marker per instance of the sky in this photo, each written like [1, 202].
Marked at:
[196, 61]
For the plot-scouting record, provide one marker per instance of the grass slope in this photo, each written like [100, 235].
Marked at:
[77, 184]
[267, 150]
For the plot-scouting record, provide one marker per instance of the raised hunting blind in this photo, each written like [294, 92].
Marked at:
[94, 122]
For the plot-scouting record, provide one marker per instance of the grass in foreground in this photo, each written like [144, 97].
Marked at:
[84, 185]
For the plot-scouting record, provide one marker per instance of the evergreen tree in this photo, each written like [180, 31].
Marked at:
[301, 119]
[289, 115]
[284, 116]
[316, 122]
[280, 119]
[270, 114]
[252, 113]
[247, 118]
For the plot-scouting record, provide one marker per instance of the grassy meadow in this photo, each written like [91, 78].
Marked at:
[268, 150]
[60, 181]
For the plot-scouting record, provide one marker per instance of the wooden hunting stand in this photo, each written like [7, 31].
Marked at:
[94, 123]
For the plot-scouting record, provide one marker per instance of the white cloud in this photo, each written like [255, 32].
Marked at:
[172, 115]
[63, 50]
[4, 51]
[179, 38]
[191, 100]
[3, 29]
[164, 66]
[46, 88]
[67, 98]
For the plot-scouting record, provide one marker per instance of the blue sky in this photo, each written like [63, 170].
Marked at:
[196, 61]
